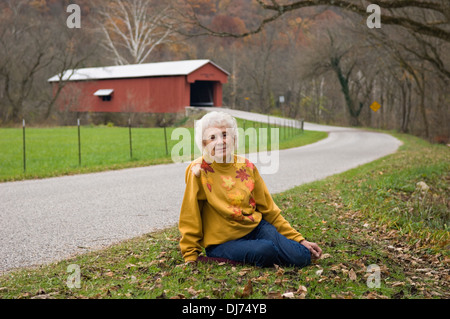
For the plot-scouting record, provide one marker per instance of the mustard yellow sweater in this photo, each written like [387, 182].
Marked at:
[226, 201]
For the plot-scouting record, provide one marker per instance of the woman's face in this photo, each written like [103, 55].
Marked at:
[218, 142]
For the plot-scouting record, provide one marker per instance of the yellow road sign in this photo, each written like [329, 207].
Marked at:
[375, 106]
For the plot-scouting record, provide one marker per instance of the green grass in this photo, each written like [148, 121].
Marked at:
[371, 215]
[54, 151]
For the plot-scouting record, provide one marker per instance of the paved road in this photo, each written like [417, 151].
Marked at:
[49, 219]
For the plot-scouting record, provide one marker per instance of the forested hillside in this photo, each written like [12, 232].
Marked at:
[325, 62]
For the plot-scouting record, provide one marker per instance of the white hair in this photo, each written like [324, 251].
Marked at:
[215, 119]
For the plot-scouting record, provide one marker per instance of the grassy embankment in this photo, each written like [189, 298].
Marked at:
[375, 214]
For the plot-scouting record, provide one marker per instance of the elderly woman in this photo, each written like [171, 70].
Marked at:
[227, 208]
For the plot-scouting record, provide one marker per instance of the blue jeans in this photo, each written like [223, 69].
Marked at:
[264, 246]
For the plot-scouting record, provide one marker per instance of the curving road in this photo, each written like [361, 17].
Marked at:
[50, 219]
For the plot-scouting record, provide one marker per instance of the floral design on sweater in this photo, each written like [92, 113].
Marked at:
[249, 164]
[235, 197]
[250, 185]
[208, 181]
[206, 167]
[235, 194]
[237, 213]
[228, 182]
[242, 174]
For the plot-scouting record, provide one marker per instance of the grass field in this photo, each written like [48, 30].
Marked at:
[54, 151]
[376, 214]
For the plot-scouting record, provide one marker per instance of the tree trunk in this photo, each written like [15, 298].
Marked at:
[422, 106]
[344, 82]
[404, 126]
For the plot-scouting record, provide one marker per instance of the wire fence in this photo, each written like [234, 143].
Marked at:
[285, 128]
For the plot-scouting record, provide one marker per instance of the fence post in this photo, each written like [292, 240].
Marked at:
[291, 128]
[131, 143]
[24, 148]
[165, 136]
[79, 142]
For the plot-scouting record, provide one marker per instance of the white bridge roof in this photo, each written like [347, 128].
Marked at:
[133, 71]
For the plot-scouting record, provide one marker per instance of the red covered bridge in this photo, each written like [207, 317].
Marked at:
[164, 87]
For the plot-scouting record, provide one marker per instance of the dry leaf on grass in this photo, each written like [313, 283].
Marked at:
[248, 290]
[280, 271]
[352, 275]
[288, 295]
[244, 271]
[194, 292]
[274, 295]
[301, 291]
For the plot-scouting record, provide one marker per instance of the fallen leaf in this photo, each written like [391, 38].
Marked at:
[352, 275]
[44, 296]
[302, 292]
[244, 271]
[374, 295]
[397, 284]
[263, 277]
[194, 292]
[345, 295]
[162, 254]
[274, 295]
[301, 288]
[288, 295]
[248, 289]
[280, 271]
[280, 281]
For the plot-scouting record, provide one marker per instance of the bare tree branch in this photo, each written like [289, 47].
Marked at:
[133, 28]
[392, 15]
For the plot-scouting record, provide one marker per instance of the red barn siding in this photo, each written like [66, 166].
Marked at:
[165, 94]
[208, 72]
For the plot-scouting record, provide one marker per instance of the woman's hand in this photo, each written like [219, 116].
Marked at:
[315, 250]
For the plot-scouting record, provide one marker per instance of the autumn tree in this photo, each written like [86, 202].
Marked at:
[132, 29]
[404, 65]
[35, 44]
